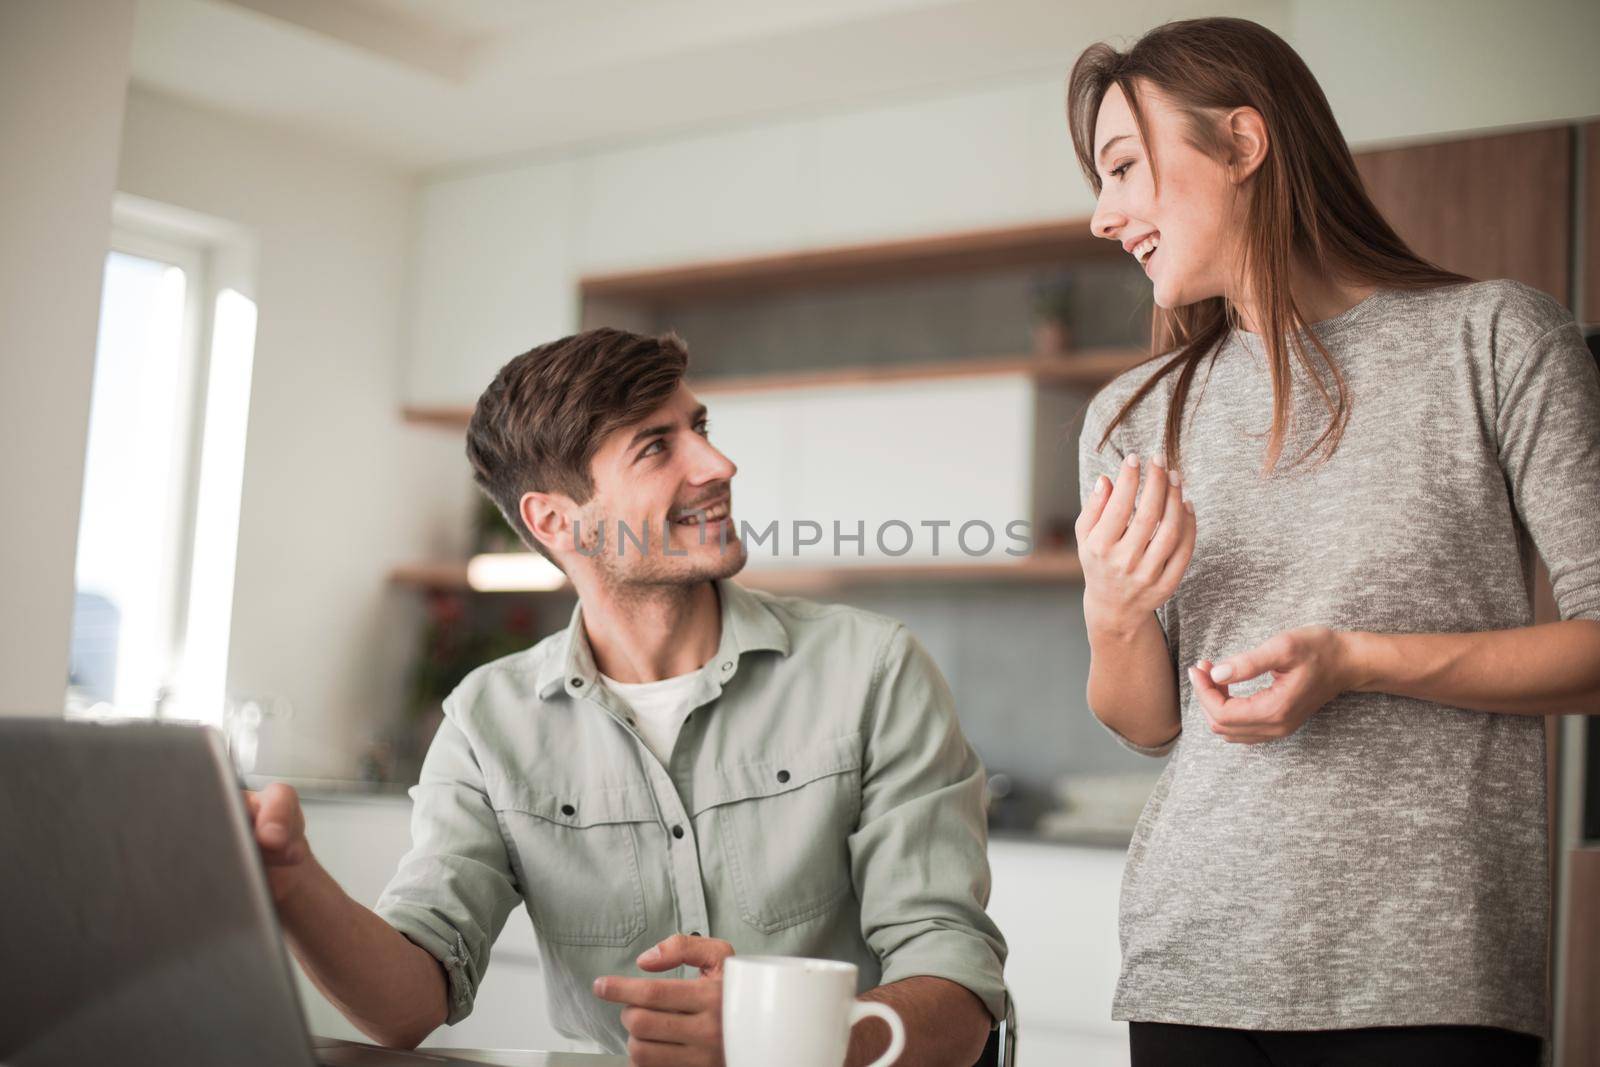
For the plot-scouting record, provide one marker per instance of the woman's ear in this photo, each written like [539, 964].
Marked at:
[1246, 133]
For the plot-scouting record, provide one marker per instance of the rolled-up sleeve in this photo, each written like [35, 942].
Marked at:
[454, 889]
[919, 853]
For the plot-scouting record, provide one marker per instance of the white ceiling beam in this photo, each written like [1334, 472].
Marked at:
[396, 37]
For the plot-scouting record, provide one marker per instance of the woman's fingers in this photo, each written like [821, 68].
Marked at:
[1178, 561]
[1113, 518]
[1093, 506]
[1152, 499]
[1166, 537]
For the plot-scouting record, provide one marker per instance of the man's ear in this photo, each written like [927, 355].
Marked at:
[548, 517]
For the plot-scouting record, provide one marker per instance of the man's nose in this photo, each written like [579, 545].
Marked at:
[711, 465]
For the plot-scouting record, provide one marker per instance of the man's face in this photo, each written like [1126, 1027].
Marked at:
[662, 476]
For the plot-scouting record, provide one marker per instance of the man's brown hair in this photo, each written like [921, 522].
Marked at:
[540, 422]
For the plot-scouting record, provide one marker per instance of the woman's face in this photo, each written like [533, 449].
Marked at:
[1195, 215]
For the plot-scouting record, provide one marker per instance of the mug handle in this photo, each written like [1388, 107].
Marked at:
[865, 1009]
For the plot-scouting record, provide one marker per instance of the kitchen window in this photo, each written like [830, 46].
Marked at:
[158, 526]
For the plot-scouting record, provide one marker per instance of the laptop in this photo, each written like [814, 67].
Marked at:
[136, 927]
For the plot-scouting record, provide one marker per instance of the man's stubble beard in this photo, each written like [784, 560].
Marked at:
[635, 572]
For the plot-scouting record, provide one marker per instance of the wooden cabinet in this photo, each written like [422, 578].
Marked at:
[1496, 206]
[1580, 1034]
[1590, 234]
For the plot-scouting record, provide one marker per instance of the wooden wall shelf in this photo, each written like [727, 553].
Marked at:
[1088, 368]
[1055, 566]
[1063, 241]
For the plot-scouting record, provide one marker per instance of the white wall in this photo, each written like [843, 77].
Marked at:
[63, 74]
[968, 157]
[336, 488]
[1433, 67]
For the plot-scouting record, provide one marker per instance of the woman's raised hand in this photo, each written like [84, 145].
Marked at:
[1133, 557]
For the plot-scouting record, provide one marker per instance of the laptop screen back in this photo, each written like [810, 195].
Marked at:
[135, 924]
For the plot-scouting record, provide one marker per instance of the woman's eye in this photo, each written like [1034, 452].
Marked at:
[1118, 172]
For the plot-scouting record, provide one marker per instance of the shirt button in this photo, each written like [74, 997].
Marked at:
[728, 666]
[577, 683]
[568, 810]
[783, 776]
[694, 933]
[677, 831]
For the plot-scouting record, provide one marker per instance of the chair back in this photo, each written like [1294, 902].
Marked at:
[1001, 1051]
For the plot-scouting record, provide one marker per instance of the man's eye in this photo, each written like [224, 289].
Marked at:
[1118, 172]
[703, 428]
[650, 449]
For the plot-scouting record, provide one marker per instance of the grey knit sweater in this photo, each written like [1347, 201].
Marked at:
[1385, 865]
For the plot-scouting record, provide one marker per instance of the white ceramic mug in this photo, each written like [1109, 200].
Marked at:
[785, 1011]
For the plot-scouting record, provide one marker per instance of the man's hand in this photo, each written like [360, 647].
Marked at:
[280, 833]
[1310, 666]
[673, 1022]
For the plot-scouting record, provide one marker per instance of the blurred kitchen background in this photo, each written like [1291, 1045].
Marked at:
[261, 256]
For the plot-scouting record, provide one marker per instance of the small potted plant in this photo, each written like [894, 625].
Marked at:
[1052, 315]
[463, 631]
[490, 530]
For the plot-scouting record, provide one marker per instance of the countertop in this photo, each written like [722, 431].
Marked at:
[342, 790]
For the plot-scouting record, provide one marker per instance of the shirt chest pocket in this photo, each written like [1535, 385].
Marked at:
[783, 827]
[576, 856]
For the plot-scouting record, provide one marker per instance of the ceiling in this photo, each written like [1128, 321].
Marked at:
[442, 84]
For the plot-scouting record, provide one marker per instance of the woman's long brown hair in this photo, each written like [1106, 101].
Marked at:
[1306, 199]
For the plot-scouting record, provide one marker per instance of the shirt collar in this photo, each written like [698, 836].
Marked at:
[748, 625]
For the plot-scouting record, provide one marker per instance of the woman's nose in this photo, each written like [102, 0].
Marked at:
[1104, 223]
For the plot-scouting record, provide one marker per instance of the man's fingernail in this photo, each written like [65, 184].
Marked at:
[1222, 673]
[650, 955]
[599, 987]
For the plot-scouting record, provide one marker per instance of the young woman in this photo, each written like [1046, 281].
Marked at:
[1345, 860]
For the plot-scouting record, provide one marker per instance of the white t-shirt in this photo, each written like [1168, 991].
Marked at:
[659, 708]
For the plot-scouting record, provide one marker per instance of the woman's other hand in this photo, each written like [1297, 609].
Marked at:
[1133, 557]
[1309, 665]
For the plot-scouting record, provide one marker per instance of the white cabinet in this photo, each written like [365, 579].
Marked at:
[892, 461]
[360, 842]
[498, 255]
[492, 278]
[955, 162]
[1057, 906]
[715, 196]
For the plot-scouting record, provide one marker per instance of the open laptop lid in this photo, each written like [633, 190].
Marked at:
[135, 923]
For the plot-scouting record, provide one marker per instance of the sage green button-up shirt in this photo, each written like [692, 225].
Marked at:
[821, 801]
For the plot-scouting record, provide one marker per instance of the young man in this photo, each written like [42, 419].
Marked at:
[690, 769]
